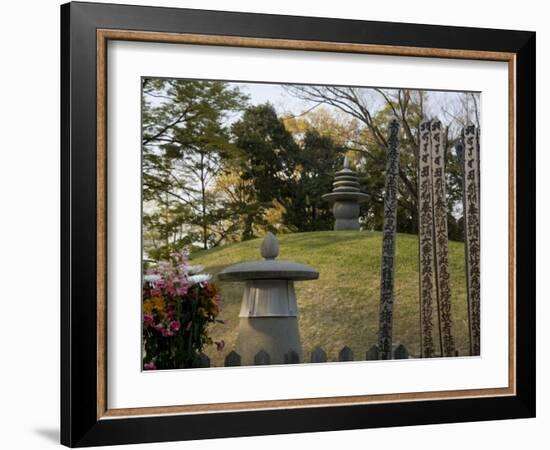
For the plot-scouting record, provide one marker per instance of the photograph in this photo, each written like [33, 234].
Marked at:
[279, 222]
[300, 223]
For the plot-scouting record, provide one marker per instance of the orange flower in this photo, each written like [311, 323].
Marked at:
[212, 290]
[213, 308]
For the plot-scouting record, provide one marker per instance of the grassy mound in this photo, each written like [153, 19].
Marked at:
[341, 307]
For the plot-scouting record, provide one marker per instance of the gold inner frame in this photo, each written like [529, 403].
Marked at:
[104, 35]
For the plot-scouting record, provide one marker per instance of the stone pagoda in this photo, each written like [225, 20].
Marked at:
[346, 196]
[268, 320]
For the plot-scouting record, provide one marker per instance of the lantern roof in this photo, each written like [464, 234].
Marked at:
[269, 268]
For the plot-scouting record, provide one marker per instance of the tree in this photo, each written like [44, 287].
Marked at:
[348, 133]
[248, 218]
[267, 160]
[268, 150]
[291, 171]
[184, 145]
[373, 109]
[316, 162]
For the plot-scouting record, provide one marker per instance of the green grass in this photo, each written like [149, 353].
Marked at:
[341, 307]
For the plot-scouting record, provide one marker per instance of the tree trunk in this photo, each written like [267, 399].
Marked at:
[203, 194]
[414, 216]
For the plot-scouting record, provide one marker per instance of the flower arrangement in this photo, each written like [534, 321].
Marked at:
[179, 304]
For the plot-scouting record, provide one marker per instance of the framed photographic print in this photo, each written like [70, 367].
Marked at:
[292, 224]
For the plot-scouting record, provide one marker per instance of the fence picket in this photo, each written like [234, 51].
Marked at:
[372, 353]
[204, 360]
[346, 354]
[400, 352]
[232, 359]
[292, 357]
[262, 358]
[318, 355]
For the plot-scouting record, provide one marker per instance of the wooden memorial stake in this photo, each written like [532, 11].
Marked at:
[388, 244]
[471, 232]
[441, 241]
[426, 241]
[478, 140]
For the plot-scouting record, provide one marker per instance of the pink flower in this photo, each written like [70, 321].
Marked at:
[183, 267]
[148, 319]
[166, 332]
[175, 325]
[188, 326]
[220, 345]
[181, 289]
[150, 366]
[170, 291]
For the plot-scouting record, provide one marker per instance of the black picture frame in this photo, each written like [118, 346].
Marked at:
[80, 425]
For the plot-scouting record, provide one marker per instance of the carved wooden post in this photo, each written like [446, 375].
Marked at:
[441, 241]
[471, 232]
[388, 244]
[425, 239]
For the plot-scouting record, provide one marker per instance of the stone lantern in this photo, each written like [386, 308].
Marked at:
[346, 197]
[268, 319]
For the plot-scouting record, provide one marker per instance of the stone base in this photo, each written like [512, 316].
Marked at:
[275, 335]
[346, 225]
[346, 214]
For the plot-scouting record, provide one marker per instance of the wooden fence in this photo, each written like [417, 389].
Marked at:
[318, 355]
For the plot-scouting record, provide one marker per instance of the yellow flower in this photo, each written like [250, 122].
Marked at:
[158, 303]
[147, 307]
[155, 304]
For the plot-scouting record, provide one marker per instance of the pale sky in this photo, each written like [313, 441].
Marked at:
[285, 103]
